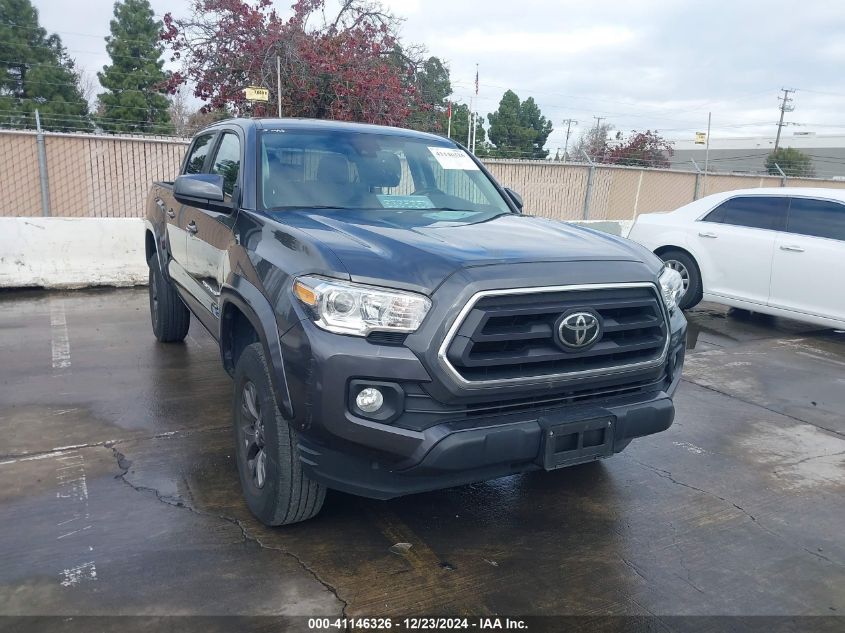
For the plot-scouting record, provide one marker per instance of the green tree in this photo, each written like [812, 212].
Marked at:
[36, 72]
[792, 161]
[134, 100]
[429, 79]
[518, 129]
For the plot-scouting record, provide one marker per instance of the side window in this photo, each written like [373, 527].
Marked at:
[756, 212]
[818, 218]
[198, 152]
[227, 161]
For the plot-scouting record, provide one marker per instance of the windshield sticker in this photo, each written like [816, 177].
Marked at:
[404, 202]
[453, 158]
[447, 216]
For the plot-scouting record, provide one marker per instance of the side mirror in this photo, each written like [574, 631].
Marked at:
[517, 199]
[199, 186]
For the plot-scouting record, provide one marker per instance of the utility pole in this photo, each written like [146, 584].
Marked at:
[599, 119]
[784, 107]
[569, 123]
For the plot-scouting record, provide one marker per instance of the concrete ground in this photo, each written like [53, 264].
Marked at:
[118, 493]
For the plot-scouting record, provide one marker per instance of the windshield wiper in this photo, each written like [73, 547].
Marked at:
[305, 207]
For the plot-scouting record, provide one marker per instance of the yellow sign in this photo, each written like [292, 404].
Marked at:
[254, 93]
[700, 138]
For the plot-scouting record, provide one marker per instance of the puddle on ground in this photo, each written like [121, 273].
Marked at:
[799, 456]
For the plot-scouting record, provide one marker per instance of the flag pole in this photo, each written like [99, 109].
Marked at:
[449, 120]
[473, 114]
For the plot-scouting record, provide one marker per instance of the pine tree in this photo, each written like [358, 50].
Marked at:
[36, 72]
[518, 130]
[134, 99]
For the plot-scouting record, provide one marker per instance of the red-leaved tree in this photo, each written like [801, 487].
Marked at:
[641, 149]
[342, 67]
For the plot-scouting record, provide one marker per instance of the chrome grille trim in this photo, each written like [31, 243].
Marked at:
[586, 373]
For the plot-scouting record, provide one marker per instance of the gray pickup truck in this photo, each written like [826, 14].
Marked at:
[392, 320]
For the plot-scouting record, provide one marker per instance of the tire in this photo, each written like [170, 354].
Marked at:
[170, 318]
[687, 266]
[283, 495]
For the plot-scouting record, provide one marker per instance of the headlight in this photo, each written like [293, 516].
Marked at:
[672, 287]
[347, 308]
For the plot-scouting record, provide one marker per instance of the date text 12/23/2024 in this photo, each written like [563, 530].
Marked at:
[418, 624]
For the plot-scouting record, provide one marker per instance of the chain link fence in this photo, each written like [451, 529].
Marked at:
[90, 175]
[86, 175]
[580, 191]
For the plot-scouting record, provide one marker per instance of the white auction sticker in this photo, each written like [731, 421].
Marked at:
[453, 158]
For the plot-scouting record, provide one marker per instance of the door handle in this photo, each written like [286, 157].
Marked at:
[171, 213]
[708, 234]
[191, 228]
[792, 249]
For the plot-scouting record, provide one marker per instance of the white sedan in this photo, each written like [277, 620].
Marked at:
[775, 251]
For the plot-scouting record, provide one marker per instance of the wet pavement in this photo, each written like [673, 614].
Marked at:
[118, 493]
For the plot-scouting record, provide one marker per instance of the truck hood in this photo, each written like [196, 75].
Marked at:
[410, 251]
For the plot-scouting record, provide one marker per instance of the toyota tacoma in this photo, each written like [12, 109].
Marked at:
[392, 320]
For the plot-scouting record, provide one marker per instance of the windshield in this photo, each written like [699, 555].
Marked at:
[354, 170]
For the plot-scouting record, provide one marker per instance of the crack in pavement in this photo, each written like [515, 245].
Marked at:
[58, 450]
[665, 474]
[124, 464]
[53, 451]
[763, 406]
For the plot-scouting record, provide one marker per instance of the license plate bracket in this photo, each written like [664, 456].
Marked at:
[577, 441]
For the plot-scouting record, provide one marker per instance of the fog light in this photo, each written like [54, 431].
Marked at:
[369, 400]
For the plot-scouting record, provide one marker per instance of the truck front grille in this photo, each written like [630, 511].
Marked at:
[513, 335]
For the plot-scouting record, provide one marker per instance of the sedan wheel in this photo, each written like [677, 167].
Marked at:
[684, 264]
[682, 270]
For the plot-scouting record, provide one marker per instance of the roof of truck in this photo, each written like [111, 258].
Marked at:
[325, 125]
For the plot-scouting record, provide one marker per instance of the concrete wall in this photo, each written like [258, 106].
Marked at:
[71, 252]
[79, 252]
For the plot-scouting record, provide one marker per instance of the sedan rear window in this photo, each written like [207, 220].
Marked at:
[756, 212]
[818, 218]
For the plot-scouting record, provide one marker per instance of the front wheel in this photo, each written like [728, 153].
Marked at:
[274, 485]
[686, 266]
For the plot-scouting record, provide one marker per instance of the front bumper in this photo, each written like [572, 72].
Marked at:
[459, 456]
[385, 460]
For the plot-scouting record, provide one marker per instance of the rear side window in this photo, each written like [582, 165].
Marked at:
[818, 218]
[756, 212]
[196, 157]
[227, 161]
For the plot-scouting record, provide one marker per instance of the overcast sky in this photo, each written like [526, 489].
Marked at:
[658, 64]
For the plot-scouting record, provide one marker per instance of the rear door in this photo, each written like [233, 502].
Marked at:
[734, 244]
[808, 272]
[175, 212]
[210, 228]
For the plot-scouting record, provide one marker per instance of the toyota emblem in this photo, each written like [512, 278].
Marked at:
[579, 330]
